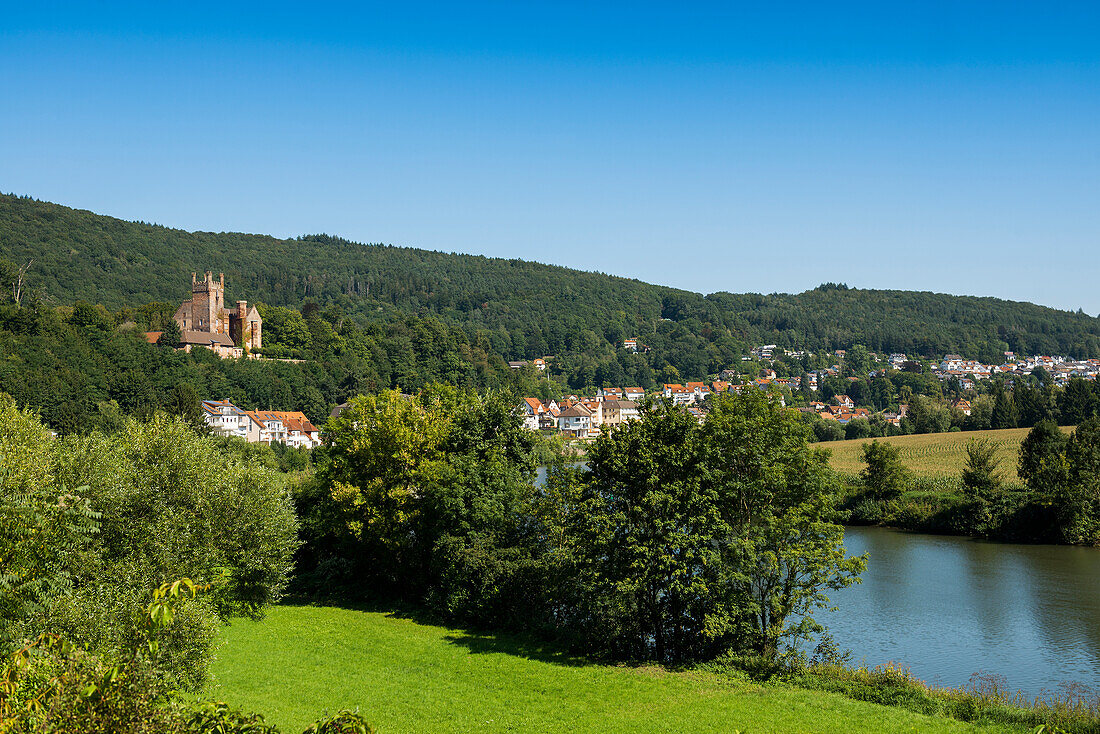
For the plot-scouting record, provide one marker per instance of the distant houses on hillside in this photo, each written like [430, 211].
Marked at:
[260, 426]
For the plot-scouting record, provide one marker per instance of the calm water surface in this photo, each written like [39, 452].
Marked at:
[949, 607]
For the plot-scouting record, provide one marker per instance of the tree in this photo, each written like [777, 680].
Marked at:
[1077, 402]
[383, 453]
[885, 477]
[650, 558]
[773, 493]
[858, 360]
[1078, 499]
[1004, 409]
[981, 413]
[171, 337]
[1031, 403]
[1041, 464]
[981, 480]
[929, 415]
[183, 401]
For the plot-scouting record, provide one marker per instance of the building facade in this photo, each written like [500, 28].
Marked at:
[205, 321]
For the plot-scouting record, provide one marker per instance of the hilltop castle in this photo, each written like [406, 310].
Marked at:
[205, 321]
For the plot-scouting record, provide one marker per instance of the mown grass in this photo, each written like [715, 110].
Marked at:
[933, 454]
[410, 677]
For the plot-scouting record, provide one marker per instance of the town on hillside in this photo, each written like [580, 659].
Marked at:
[858, 392]
[837, 394]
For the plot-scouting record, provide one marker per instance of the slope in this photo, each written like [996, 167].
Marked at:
[408, 677]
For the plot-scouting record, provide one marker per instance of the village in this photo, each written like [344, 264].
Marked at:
[583, 417]
[205, 322]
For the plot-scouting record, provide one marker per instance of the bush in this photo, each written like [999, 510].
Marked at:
[155, 502]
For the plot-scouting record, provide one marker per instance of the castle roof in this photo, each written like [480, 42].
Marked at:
[205, 338]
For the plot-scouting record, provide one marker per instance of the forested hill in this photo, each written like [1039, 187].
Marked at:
[525, 309]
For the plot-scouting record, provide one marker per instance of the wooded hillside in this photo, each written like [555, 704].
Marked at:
[523, 309]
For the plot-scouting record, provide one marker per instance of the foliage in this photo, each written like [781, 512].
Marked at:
[156, 502]
[1078, 499]
[425, 498]
[981, 481]
[650, 568]
[52, 686]
[884, 475]
[1041, 462]
[782, 551]
[217, 717]
[343, 722]
[45, 530]
[71, 372]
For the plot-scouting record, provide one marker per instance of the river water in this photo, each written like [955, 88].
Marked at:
[948, 607]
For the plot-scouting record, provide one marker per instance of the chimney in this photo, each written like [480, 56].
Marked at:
[193, 279]
[242, 309]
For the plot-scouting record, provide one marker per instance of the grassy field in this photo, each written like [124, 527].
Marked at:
[409, 677]
[933, 454]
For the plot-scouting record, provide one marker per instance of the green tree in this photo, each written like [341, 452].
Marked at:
[1004, 409]
[1077, 403]
[981, 480]
[929, 415]
[884, 476]
[1041, 463]
[384, 451]
[649, 551]
[184, 401]
[780, 550]
[981, 413]
[1078, 499]
[171, 337]
[858, 360]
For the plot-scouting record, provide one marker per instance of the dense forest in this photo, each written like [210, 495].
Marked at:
[85, 367]
[517, 309]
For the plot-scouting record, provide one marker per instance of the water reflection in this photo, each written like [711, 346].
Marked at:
[949, 607]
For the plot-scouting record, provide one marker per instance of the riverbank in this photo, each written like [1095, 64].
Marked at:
[410, 677]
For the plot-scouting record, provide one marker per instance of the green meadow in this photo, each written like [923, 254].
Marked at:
[411, 677]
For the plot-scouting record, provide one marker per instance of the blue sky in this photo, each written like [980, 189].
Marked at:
[951, 147]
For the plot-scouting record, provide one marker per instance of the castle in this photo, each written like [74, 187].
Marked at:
[205, 321]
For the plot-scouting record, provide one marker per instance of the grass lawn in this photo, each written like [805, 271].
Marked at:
[409, 677]
[933, 454]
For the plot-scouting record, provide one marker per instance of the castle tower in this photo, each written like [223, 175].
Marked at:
[246, 326]
[205, 313]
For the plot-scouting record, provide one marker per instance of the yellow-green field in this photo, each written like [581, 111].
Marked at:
[933, 454]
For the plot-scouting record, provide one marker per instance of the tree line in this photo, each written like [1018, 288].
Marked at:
[86, 367]
[1059, 501]
[680, 542]
[520, 310]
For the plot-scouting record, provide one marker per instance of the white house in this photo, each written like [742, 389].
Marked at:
[532, 411]
[575, 420]
[225, 418]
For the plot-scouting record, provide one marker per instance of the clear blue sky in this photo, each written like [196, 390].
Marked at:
[937, 146]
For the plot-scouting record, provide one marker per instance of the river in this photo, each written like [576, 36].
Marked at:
[948, 607]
